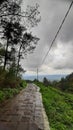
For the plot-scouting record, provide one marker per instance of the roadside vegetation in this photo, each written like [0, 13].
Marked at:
[7, 93]
[58, 106]
[16, 41]
[65, 84]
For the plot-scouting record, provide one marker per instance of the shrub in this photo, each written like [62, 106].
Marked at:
[23, 83]
[2, 96]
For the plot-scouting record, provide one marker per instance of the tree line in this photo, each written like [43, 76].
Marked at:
[65, 84]
[16, 40]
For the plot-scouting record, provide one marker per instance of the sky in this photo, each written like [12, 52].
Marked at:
[59, 60]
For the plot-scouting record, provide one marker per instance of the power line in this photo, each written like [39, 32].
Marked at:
[57, 32]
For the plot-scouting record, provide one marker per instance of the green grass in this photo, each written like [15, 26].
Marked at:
[58, 106]
[6, 93]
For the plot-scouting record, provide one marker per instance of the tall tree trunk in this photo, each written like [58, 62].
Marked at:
[18, 59]
[5, 58]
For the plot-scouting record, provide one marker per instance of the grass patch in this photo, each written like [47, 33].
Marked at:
[58, 106]
[6, 93]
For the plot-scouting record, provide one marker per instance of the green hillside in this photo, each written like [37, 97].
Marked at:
[66, 84]
[58, 106]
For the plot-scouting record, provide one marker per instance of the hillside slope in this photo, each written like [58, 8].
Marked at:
[58, 106]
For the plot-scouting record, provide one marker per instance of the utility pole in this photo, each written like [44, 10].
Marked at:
[37, 74]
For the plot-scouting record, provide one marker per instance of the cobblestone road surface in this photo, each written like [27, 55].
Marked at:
[24, 112]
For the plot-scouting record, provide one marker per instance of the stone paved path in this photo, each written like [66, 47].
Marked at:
[24, 112]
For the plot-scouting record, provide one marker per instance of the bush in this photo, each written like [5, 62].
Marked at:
[6, 93]
[23, 83]
[2, 95]
[2, 77]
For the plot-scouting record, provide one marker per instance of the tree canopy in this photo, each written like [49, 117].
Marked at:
[16, 42]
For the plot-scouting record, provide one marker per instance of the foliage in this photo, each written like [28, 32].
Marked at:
[15, 33]
[58, 106]
[16, 42]
[23, 84]
[66, 84]
[6, 93]
[1, 1]
[46, 82]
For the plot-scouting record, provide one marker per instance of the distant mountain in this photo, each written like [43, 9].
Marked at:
[40, 77]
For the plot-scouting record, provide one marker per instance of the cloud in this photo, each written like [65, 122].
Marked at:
[60, 58]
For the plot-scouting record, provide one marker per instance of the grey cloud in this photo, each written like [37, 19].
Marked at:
[62, 60]
[52, 13]
[67, 65]
[66, 33]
